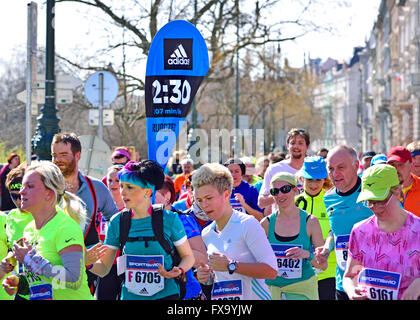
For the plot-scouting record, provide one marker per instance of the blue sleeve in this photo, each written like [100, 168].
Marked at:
[190, 225]
[106, 204]
[253, 198]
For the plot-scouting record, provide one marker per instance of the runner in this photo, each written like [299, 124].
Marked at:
[297, 143]
[185, 201]
[383, 260]
[400, 158]
[291, 233]
[240, 257]
[6, 202]
[3, 253]
[315, 183]
[16, 220]
[342, 209]
[66, 151]
[109, 287]
[190, 289]
[187, 165]
[414, 148]
[244, 197]
[52, 250]
[152, 280]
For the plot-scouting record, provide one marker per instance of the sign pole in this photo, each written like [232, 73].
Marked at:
[30, 64]
[101, 104]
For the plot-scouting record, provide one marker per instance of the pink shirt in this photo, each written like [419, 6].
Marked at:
[396, 252]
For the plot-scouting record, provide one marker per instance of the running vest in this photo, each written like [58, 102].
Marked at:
[343, 212]
[315, 206]
[289, 269]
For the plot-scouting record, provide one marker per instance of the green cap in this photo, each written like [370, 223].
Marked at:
[284, 176]
[377, 181]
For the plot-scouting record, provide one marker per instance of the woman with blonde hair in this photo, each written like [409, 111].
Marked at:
[52, 249]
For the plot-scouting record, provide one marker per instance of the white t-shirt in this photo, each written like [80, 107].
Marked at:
[242, 239]
[277, 167]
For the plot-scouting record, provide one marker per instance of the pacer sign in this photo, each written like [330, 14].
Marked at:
[176, 65]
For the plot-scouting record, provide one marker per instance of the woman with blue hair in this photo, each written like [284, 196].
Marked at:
[149, 269]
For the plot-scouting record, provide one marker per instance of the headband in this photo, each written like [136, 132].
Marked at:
[130, 175]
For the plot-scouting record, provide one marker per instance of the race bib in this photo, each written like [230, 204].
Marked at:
[341, 250]
[287, 268]
[103, 227]
[236, 205]
[141, 274]
[379, 284]
[227, 290]
[42, 291]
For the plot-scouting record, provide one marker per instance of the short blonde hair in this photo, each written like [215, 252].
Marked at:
[213, 174]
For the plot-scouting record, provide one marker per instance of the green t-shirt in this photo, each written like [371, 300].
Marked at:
[3, 252]
[60, 232]
[16, 222]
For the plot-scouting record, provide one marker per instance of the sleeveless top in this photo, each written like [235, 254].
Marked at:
[302, 239]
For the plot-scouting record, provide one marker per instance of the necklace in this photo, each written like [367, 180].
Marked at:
[48, 219]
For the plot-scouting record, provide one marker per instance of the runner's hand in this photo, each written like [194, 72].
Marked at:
[175, 272]
[203, 273]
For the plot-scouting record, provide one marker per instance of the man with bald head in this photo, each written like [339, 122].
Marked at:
[342, 208]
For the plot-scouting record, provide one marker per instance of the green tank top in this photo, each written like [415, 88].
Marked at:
[290, 271]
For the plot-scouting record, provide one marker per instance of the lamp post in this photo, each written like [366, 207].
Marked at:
[48, 121]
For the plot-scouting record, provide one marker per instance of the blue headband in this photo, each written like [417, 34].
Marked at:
[131, 177]
[415, 153]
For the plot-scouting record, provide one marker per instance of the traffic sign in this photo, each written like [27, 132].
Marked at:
[109, 88]
[95, 158]
[63, 96]
[62, 81]
[107, 117]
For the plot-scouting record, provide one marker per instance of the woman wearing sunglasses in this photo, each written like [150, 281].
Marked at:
[383, 260]
[291, 233]
[16, 221]
[315, 182]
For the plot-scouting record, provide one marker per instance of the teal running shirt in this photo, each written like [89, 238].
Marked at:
[343, 212]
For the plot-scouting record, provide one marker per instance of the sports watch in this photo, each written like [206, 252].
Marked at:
[232, 266]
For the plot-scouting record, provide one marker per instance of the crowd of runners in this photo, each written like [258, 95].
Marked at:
[335, 225]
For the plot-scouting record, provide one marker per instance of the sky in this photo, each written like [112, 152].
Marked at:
[354, 25]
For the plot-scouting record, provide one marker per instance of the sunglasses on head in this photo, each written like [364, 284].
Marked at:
[285, 189]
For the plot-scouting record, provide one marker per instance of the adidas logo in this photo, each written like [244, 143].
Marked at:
[179, 57]
[143, 291]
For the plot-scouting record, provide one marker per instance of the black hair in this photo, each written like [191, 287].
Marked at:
[236, 161]
[149, 171]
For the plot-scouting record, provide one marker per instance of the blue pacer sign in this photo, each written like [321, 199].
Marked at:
[176, 65]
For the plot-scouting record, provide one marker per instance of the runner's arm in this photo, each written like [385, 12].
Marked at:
[354, 292]
[103, 265]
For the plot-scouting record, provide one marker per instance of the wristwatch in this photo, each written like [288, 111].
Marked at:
[232, 266]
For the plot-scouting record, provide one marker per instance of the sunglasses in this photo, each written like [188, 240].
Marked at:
[15, 196]
[285, 189]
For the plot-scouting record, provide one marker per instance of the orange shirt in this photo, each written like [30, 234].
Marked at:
[411, 201]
